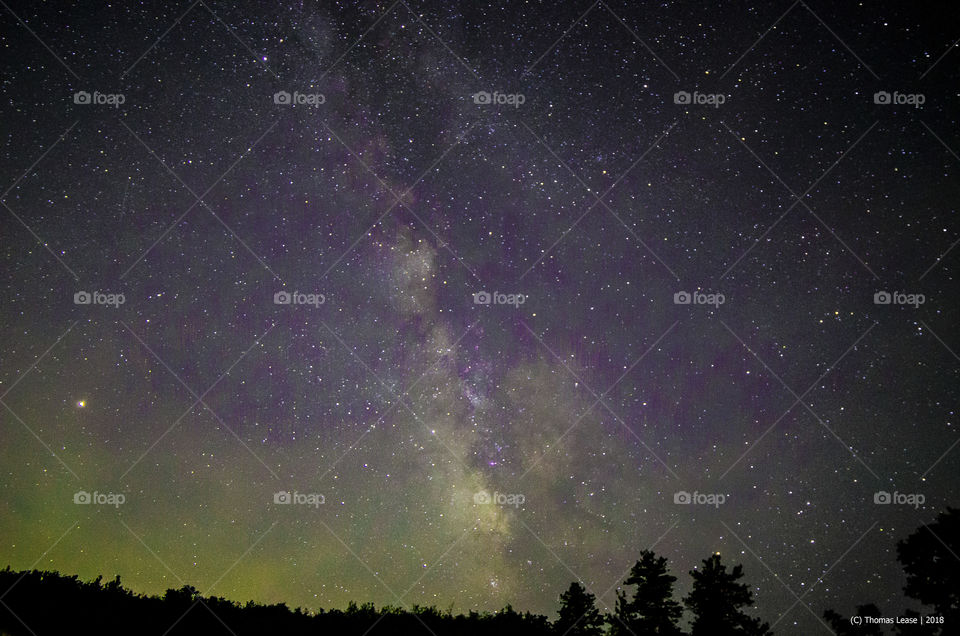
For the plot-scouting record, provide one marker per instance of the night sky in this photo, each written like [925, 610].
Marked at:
[582, 399]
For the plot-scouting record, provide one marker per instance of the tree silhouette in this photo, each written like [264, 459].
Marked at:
[579, 615]
[716, 599]
[652, 609]
[38, 603]
[929, 559]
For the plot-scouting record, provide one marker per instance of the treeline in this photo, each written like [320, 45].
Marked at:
[39, 603]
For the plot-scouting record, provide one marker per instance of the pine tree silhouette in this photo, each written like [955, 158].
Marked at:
[716, 599]
[652, 609]
[579, 615]
[928, 557]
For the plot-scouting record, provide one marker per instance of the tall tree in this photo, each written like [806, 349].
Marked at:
[652, 609]
[716, 601]
[579, 615]
[928, 557]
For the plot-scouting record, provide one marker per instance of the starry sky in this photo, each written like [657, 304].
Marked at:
[784, 163]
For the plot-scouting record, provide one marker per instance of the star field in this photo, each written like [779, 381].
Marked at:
[457, 317]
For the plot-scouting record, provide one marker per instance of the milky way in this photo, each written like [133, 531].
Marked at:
[453, 303]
